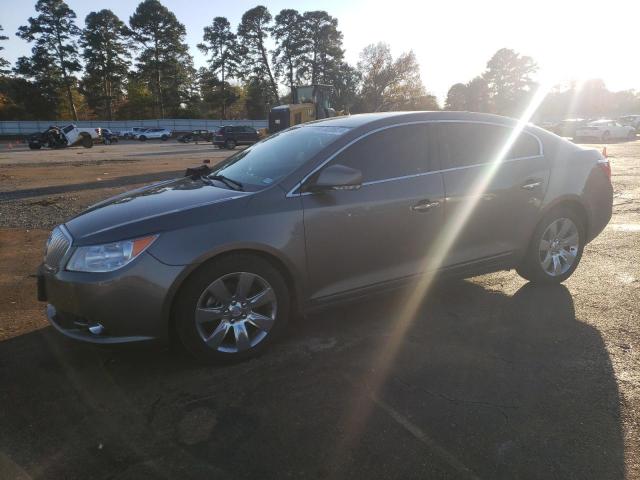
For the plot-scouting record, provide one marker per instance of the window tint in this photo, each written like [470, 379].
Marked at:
[390, 153]
[464, 144]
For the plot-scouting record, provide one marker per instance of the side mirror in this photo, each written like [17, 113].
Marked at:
[335, 177]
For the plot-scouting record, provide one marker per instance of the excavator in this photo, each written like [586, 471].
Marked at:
[310, 102]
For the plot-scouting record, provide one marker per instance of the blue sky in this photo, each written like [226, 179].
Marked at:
[570, 39]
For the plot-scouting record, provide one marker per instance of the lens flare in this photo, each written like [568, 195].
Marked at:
[363, 402]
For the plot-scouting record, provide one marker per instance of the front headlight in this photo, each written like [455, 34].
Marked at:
[108, 257]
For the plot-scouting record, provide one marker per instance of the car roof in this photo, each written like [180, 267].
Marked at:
[384, 118]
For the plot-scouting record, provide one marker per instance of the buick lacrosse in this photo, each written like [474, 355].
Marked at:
[221, 258]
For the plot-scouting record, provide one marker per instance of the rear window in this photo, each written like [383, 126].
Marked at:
[466, 144]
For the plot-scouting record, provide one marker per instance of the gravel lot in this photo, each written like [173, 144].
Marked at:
[494, 378]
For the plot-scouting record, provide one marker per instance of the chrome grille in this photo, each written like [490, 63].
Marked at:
[57, 247]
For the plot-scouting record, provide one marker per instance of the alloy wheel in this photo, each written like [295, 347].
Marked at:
[559, 247]
[236, 312]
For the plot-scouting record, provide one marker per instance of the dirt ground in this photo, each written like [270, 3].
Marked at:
[494, 378]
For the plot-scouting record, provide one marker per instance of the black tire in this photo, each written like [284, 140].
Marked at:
[142, 138]
[530, 267]
[197, 283]
[164, 138]
[35, 147]
[230, 144]
[87, 141]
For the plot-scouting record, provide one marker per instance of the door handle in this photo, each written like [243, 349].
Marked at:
[531, 184]
[425, 206]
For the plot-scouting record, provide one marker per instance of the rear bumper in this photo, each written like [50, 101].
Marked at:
[128, 305]
[598, 196]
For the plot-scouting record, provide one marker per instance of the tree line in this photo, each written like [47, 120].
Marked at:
[143, 69]
[110, 69]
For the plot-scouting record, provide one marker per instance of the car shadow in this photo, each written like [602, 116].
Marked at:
[481, 384]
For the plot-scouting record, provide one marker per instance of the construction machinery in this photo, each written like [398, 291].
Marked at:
[310, 102]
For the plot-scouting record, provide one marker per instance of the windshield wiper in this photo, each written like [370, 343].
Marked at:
[234, 184]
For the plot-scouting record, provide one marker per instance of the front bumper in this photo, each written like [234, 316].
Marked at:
[129, 305]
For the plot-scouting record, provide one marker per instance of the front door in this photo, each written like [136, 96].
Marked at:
[384, 230]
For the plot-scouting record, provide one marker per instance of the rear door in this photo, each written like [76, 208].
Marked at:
[384, 230]
[494, 181]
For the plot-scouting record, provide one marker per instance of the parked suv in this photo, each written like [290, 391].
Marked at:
[151, 133]
[317, 213]
[230, 136]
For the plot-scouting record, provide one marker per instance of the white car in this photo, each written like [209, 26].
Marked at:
[631, 120]
[605, 130]
[132, 132]
[161, 133]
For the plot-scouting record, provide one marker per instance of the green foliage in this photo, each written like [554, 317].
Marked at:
[54, 56]
[389, 84]
[253, 32]
[4, 64]
[322, 46]
[288, 35]
[164, 57]
[508, 77]
[106, 56]
[220, 43]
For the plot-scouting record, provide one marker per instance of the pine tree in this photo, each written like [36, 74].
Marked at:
[106, 56]
[163, 56]
[54, 56]
[252, 33]
[220, 43]
[288, 54]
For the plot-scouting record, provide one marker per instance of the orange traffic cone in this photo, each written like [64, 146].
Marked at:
[604, 152]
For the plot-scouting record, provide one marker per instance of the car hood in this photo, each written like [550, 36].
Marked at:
[162, 206]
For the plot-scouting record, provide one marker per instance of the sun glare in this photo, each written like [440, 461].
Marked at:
[363, 404]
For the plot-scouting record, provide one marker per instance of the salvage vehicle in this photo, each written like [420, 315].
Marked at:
[631, 120]
[108, 136]
[61, 137]
[196, 136]
[230, 136]
[130, 133]
[222, 258]
[605, 130]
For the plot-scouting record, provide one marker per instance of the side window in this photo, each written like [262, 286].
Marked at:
[465, 144]
[390, 153]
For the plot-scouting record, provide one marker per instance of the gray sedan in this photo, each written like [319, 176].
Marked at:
[317, 214]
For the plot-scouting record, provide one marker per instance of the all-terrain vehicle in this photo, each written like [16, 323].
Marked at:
[61, 137]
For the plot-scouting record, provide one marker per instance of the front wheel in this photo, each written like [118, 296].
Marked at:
[87, 141]
[164, 138]
[232, 308]
[35, 147]
[555, 249]
[142, 138]
[230, 144]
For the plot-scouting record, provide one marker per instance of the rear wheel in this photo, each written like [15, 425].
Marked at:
[232, 309]
[555, 249]
[142, 138]
[230, 144]
[164, 138]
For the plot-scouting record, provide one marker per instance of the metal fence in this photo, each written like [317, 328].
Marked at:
[20, 127]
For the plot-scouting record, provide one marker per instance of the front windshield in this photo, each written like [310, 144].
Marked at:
[275, 157]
